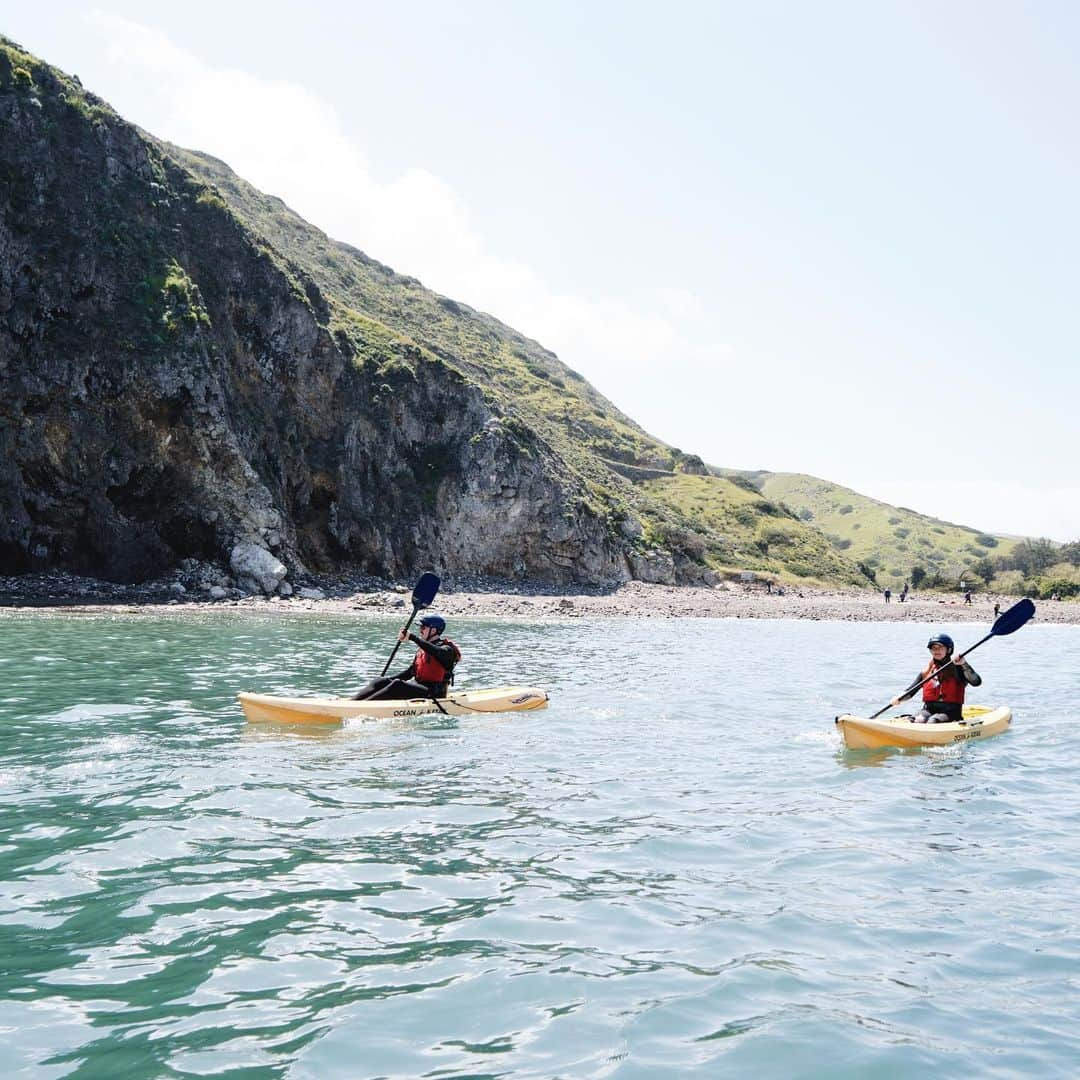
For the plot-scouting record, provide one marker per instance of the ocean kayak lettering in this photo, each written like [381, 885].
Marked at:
[973, 734]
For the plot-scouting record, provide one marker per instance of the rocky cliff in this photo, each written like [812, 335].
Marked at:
[189, 370]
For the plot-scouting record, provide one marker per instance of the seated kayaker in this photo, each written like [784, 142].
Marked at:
[430, 673]
[943, 694]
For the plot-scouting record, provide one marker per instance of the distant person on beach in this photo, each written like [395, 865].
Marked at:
[888, 595]
[997, 608]
[943, 694]
[428, 676]
[904, 592]
[967, 597]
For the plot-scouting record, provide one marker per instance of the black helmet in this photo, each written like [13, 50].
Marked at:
[437, 621]
[942, 639]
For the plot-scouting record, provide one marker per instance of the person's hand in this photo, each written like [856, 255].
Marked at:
[895, 701]
[403, 635]
[958, 661]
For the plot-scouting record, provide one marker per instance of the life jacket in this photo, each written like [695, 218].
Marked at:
[946, 686]
[429, 670]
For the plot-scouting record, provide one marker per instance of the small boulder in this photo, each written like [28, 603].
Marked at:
[256, 569]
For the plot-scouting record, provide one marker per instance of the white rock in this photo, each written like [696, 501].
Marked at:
[217, 593]
[255, 568]
[311, 594]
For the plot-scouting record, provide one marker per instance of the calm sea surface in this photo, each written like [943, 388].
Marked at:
[674, 871]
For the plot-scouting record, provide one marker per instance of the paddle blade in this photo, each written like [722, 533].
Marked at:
[1009, 621]
[428, 586]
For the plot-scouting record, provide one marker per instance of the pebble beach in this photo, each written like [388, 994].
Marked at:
[495, 599]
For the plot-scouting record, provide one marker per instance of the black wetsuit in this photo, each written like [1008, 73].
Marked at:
[405, 684]
[944, 712]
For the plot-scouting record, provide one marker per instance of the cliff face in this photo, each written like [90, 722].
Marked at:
[173, 387]
[188, 369]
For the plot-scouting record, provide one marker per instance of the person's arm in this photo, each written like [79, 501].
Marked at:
[443, 653]
[967, 672]
[408, 673]
[909, 694]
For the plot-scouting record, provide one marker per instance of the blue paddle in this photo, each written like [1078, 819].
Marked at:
[1008, 622]
[422, 595]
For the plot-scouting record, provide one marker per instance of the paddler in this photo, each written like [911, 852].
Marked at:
[943, 695]
[430, 673]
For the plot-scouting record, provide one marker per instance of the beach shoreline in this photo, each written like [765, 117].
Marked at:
[62, 593]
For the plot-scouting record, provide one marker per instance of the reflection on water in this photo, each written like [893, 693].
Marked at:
[655, 876]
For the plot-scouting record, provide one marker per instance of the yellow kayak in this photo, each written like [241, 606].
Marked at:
[980, 721]
[266, 709]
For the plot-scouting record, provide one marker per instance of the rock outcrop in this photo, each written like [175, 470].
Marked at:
[173, 388]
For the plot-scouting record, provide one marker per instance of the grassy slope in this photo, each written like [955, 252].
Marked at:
[743, 529]
[889, 539]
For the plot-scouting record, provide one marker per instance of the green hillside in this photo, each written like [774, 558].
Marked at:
[740, 528]
[894, 542]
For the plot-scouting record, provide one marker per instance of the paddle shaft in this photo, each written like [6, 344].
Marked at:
[397, 644]
[423, 594]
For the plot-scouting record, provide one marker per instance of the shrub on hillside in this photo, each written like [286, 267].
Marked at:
[1031, 557]
[1053, 586]
[772, 534]
[1011, 582]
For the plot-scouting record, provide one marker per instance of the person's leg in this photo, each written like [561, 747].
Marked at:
[366, 693]
[945, 713]
[400, 690]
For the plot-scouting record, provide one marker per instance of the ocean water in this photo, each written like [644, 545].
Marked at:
[674, 871]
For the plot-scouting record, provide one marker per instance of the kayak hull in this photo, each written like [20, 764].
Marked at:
[980, 722]
[268, 709]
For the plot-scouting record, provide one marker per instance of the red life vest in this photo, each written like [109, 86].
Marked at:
[429, 670]
[946, 686]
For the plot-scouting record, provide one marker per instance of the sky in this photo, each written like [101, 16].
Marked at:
[834, 238]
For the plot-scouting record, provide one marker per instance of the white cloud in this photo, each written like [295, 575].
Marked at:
[288, 142]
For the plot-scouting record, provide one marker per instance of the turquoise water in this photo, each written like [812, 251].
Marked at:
[673, 871]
